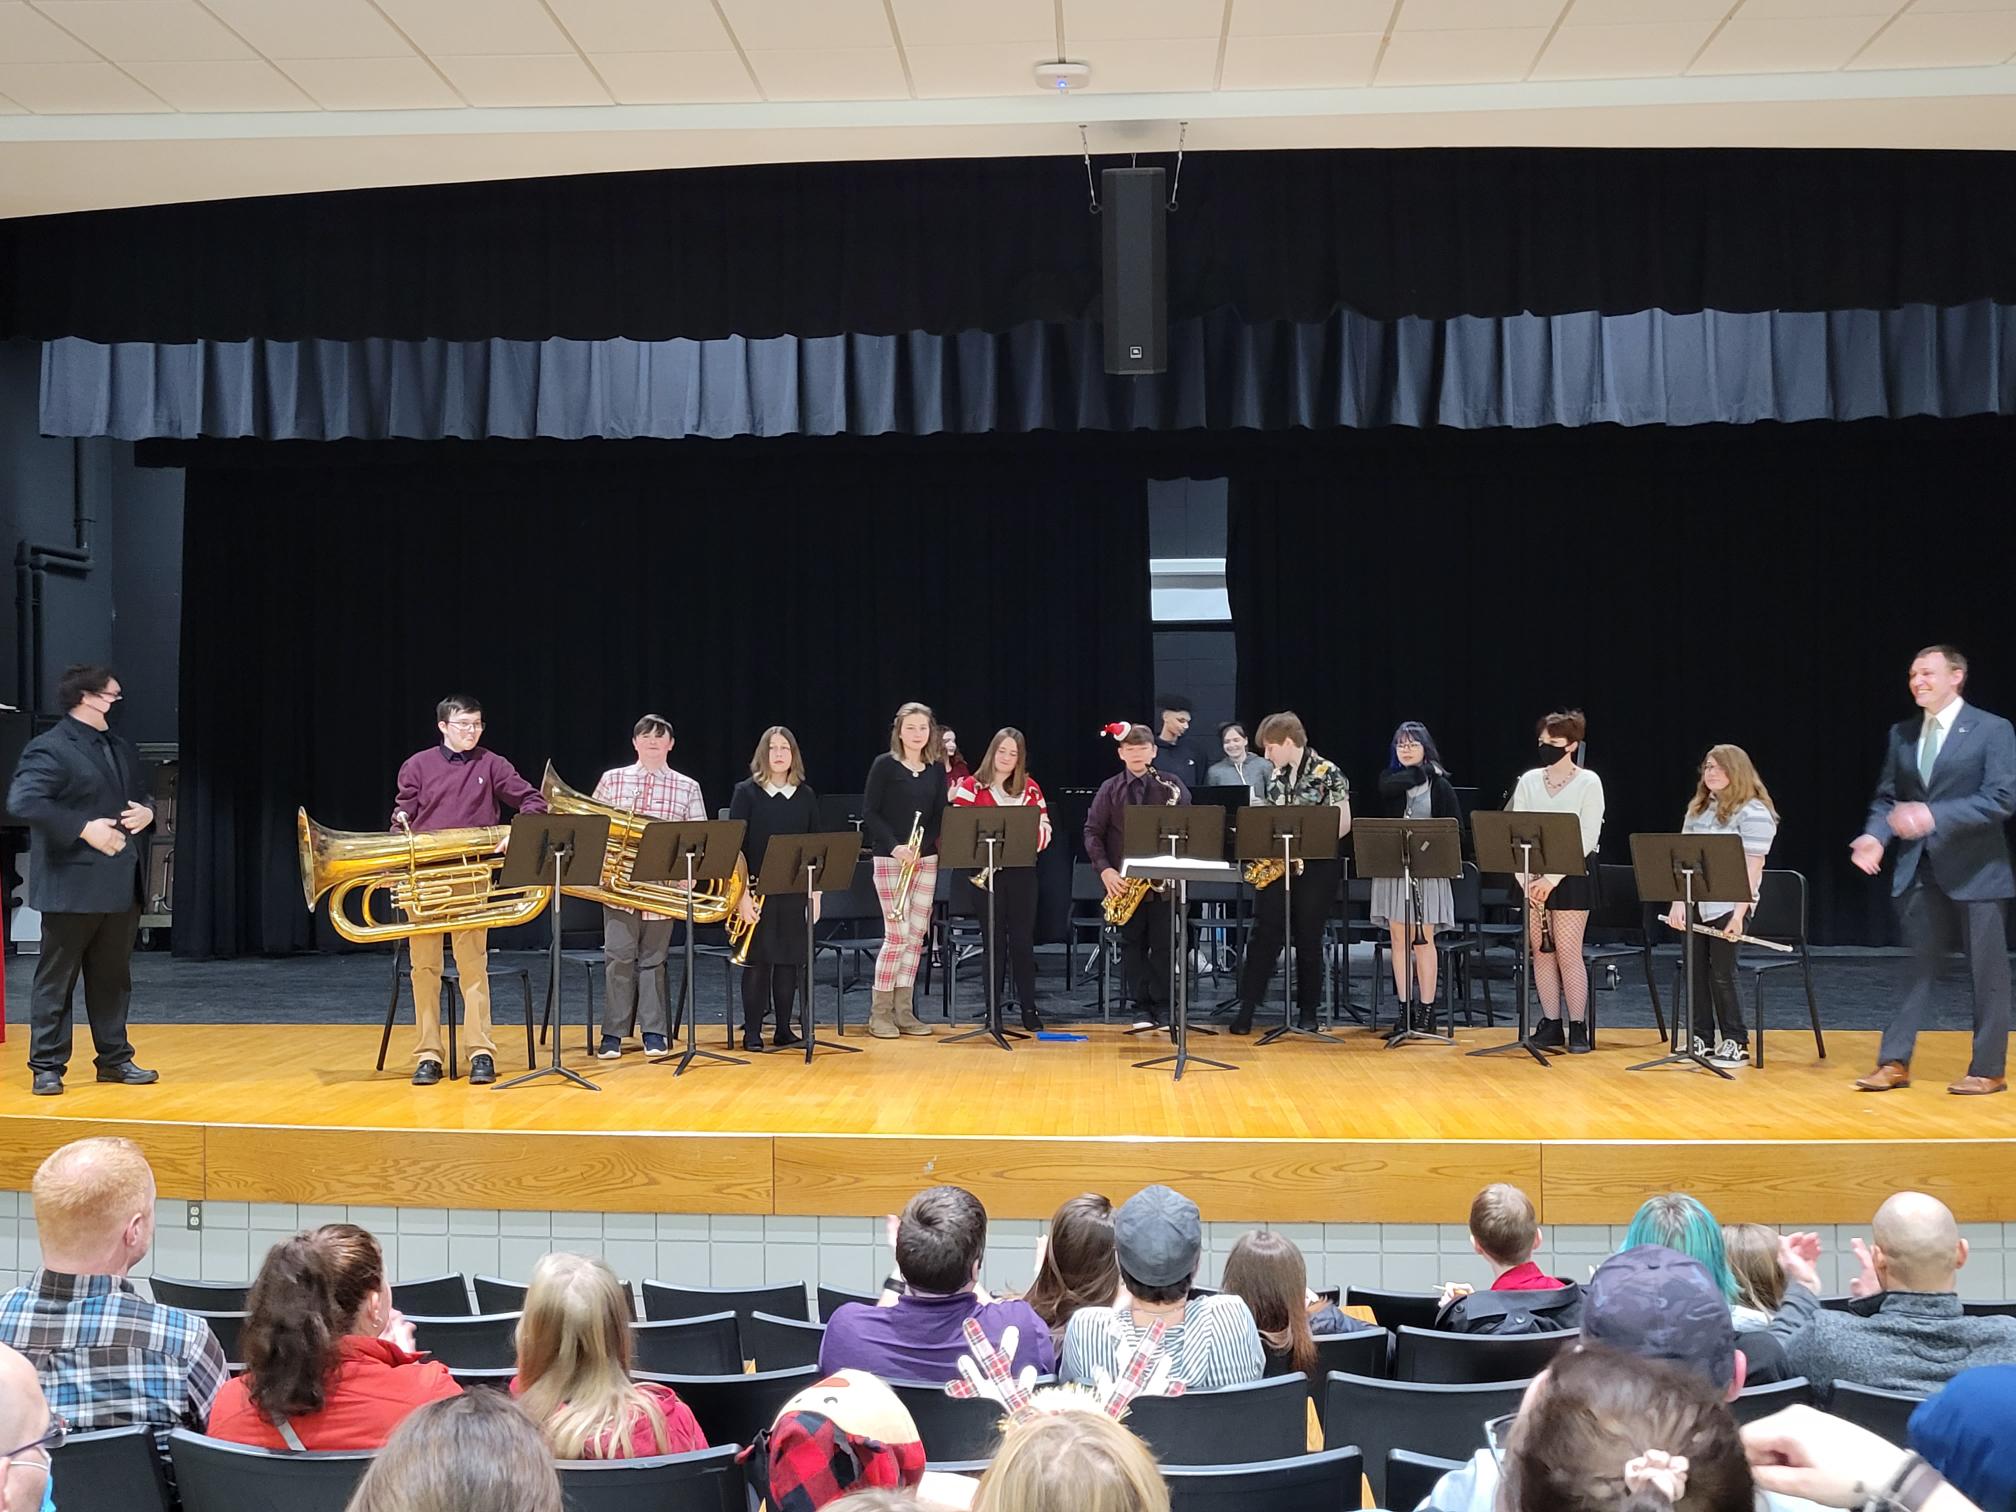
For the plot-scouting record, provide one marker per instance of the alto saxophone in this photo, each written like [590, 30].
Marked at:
[1266, 872]
[1121, 906]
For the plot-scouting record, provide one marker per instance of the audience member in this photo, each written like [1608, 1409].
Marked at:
[1075, 1265]
[1208, 1341]
[1802, 1452]
[471, 1453]
[1266, 1271]
[1522, 1299]
[1905, 1331]
[1964, 1432]
[329, 1363]
[107, 1356]
[846, 1433]
[1759, 1275]
[941, 1239]
[26, 1422]
[574, 1369]
[1072, 1461]
[1682, 1223]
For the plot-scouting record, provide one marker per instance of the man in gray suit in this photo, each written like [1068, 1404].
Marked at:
[82, 791]
[1948, 787]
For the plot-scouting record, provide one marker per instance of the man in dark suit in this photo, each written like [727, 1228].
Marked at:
[84, 796]
[1948, 787]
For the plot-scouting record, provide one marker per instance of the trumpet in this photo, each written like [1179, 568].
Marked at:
[439, 880]
[741, 934]
[1267, 872]
[1742, 939]
[906, 879]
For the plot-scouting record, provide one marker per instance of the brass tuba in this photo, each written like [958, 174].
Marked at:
[438, 880]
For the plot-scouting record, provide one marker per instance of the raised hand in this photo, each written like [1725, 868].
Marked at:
[1866, 1283]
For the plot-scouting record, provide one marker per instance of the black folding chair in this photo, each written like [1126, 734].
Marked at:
[707, 1480]
[200, 1296]
[1884, 1413]
[663, 1302]
[1761, 1401]
[1987, 1309]
[952, 1428]
[451, 1003]
[496, 1295]
[1322, 1482]
[487, 1341]
[227, 1326]
[832, 1298]
[1427, 1354]
[1397, 1309]
[1620, 928]
[781, 1343]
[1411, 1478]
[436, 1297]
[214, 1476]
[688, 1346]
[1780, 916]
[1234, 1425]
[1363, 1351]
[1379, 1416]
[491, 1378]
[114, 1468]
[733, 1409]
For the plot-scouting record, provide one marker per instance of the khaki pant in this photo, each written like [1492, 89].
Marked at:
[472, 961]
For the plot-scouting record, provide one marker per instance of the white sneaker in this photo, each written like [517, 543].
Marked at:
[611, 1048]
[1700, 1047]
[1728, 1054]
[1142, 1023]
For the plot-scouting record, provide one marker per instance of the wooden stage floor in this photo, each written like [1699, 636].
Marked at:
[1302, 1133]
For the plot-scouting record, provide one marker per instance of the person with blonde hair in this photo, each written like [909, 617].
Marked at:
[1729, 799]
[471, 1453]
[775, 800]
[574, 1369]
[1758, 1272]
[904, 794]
[1072, 1461]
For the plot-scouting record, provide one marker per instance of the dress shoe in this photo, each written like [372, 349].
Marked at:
[1886, 1076]
[48, 1083]
[128, 1075]
[427, 1073]
[482, 1070]
[1242, 1021]
[1549, 1035]
[1032, 1021]
[1308, 1020]
[1978, 1086]
[752, 1041]
[1578, 1037]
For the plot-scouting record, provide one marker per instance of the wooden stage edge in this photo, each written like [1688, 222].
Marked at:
[1303, 1133]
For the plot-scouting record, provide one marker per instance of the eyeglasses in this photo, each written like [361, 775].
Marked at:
[52, 1439]
[1498, 1434]
[466, 726]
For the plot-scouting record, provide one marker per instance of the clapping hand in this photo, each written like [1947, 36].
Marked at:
[1799, 1254]
[398, 1330]
[1866, 1283]
[136, 817]
[103, 836]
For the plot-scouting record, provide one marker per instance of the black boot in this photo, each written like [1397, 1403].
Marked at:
[1032, 1020]
[1242, 1021]
[1578, 1037]
[1306, 1018]
[784, 1039]
[1547, 1034]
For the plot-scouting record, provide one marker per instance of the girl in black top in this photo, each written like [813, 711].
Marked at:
[905, 789]
[776, 800]
[1415, 785]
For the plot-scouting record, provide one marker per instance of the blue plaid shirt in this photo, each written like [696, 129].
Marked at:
[108, 1357]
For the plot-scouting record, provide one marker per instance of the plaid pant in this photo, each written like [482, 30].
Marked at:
[903, 941]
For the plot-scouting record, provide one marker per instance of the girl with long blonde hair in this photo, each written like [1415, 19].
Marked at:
[1729, 799]
[1072, 1461]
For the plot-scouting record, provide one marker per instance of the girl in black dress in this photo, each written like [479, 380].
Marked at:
[775, 800]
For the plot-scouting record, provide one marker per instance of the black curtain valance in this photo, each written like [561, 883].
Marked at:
[988, 245]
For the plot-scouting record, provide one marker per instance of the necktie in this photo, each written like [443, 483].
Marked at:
[1928, 749]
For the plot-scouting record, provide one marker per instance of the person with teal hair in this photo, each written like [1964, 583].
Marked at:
[1681, 1223]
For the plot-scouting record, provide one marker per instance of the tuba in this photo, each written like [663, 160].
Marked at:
[439, 880]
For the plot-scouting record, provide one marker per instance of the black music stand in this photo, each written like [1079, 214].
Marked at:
[557, 851]
[1688, 869]
[809, 864]
[689, 851]
[1177, 846]
[1288, 833]
[1409, 850]
[969, 838]
[1526, 844]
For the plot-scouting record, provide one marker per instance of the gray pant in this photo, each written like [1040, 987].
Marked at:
[1931, 923]
[634, 948]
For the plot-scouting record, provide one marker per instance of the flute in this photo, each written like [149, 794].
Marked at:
[1741, 939]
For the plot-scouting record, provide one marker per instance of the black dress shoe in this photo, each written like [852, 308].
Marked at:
[427, 1073]
[1032, 1021]
[784, 1039]
[752, 1040]
[48, 1083]
[1242, 1021]
[482, 1070]
[1309, 1021]
[128, 1075]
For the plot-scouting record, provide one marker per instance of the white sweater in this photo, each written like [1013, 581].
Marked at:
[1582, 797]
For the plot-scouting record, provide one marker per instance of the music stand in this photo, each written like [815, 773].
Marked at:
[557, 851]
[1178, 846]
[1688, 869]
[971, 837]
[1528, 844]
[809, 864]
[1409, 850]
[1288, 833]
[689, 851]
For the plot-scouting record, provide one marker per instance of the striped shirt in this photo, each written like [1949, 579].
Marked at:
[1215, 1344]
[1752, 821]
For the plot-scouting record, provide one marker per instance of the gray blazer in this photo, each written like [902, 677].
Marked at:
[1895, 1341]
[1972, 794]
[61, 785]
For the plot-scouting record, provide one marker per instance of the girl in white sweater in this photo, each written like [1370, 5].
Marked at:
[1560, 904]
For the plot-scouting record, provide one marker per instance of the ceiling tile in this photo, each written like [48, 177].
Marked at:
[313, 28]
[801, 25]
[1813, 45]
[28, 36]
[1659, 51]
[1477, 15]
[1640, 12]
[1798, 10]
[475, 28]
[1927, 7]
[643, 26]
[1492, 56]
[1950, 40]
[675, 78]
[1302, 62]
[8, 107]
[828, 73]
[1152, 67]
[950, 23]
[523, 79]
[1308, 18]
[134, 31]
[76, 89]
[243, 84]
[977, 70]
[372, 83]
[1106, 20]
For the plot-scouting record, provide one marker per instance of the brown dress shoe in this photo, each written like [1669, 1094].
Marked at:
[1884, 1077]
[1979, 1086]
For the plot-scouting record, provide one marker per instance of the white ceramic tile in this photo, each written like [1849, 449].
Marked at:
[866, 1230]
[273, 1215]
[423, 1220]
[473, 1221]
[1580, 1239]
[734, 1264]
[683, 1262]
[227, 1215]
[423, 1255]
[630, 1225]
[1403, 1237]
[850, 1267]
[471, 1254]
[784, 1263]
[576, 1226]
[177, 1252]
[1351, 1237]
[9, 1243]
[790, 1230]
[10, 1204]
[379, 1220]
[525, 1225]
[516, 1255]
[731, 1226]
[633, 1259]
[225, 1254]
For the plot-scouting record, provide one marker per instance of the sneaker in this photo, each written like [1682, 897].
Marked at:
[1578, 1037]
[1548, 1034]
[610, 1049]
[654, 1044]
[1730, 1053]
[1700, 1047]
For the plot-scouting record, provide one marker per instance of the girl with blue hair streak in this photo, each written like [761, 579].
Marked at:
[1681, 1223]
[1415, 785]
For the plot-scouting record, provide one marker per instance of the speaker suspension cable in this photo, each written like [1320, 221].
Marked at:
[1176, 183]
[1091, 189]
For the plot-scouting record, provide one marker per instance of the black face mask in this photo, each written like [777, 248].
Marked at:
[1549, 754]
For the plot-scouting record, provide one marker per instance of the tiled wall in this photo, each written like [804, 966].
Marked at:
[724, 1250]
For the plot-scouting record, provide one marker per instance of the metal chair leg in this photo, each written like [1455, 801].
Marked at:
[451, 1007]
[1652, 986]
[525, 985]
[392, 1007]
[1812, 1003]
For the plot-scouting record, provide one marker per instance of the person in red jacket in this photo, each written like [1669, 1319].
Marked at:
[329, 1363]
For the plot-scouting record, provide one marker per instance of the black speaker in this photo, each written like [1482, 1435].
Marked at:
[1134, 216]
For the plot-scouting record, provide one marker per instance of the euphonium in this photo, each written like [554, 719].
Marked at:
[706, 902]
[437, 880]
[907, 877]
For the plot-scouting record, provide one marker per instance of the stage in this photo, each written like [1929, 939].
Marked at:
[1302, 1132]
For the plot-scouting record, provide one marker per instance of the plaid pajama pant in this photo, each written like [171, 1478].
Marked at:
[903, 941]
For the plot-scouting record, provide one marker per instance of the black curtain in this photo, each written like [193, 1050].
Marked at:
[1761, 585]
[943, 246]
[327, 606]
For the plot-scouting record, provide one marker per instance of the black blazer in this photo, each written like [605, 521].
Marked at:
[61, 785]
[1972, 795]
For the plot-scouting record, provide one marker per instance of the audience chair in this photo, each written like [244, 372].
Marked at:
[1427, 1354]
[733, 1409]
[116, 1468]
[227, 1326]
[200, 1296]
[707, 1480]
[1987, 1309]
[1087, 928]
[709, 1345]
[1364, 1351]
[489, 1379]
[1626, 930]
[954, 1428]
[496, 1295]
[1780, 916]
[486, 1341]
[1411, 1478]
[1396, 1309]
[1321, 1482]
[780, 1343]
[663, 1302]
[850, 927]
[1379, 1416]
[214, 1476]
[436, 1297]
[832, 1298]
[451, 1003]
[1761, 1401]
[1886, 1413]
[1234, 1425]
